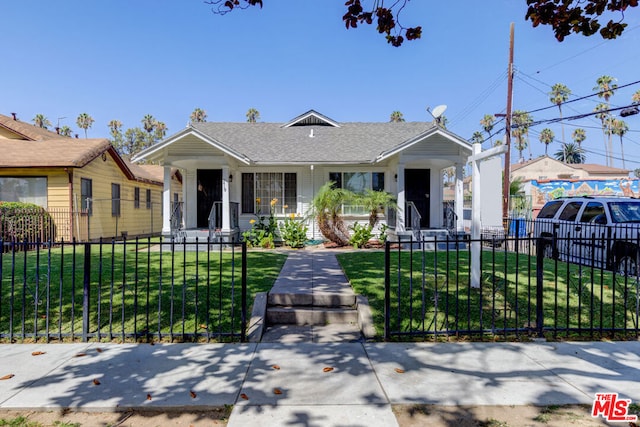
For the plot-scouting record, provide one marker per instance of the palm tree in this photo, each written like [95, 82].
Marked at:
[374, 202]
[487, 124]
[477, 138]
[252, 115]
[636, 97]
[620, 128]
[558, 95]
[546, 137]
[603, 115]
[606, 88]
[41, 121]
[326, 207]
[66, 131]
[579, 135]
[148, 123]
[570, 153]
[84, 121]
[160, 131]
[198, 116]
[396, 117]
[522, 121]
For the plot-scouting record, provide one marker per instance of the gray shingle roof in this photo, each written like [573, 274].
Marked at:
[351, 142]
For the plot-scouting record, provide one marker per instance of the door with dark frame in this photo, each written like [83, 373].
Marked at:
[417, 185]
[209, 182]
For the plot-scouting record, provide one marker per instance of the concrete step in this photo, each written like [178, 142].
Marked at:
[316, 299]
[279, 315]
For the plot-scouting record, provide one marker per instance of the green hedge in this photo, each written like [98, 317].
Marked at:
[25, 221]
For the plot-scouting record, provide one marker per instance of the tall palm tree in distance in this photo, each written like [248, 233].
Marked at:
[521, 122]
[487, 124]
[578, 136]
[603, 115]
[41, 121]
[66, 131]
[546, 137]
[84, 121]
[477, 137]
[396, 117]
[620, 128]
[636, 97]
[198, 115]
[252, 115]
[606, 88]
[559, 94]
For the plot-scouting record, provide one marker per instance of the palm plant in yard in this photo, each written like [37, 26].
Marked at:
[375, 202]
[326, 207]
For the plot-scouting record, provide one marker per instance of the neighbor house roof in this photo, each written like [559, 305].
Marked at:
[591, 168]
[62, 152]
[27, 131]
[309, 138]
[70, 153]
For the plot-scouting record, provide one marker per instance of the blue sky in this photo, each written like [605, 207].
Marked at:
[122, 59]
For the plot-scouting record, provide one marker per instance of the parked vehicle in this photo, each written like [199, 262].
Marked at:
[602, 232]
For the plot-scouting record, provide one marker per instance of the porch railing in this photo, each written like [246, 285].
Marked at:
[216, 215]
[413, 217]
[176, 216]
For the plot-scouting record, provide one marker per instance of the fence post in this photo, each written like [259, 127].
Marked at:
[86, 291]
[243, 308]
[539, 285]
[387, 289]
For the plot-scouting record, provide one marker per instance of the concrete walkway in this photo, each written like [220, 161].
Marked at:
[313, 383]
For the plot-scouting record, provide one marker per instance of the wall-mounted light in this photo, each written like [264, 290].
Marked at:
[230, 178]
[104, 157]
[395, 177]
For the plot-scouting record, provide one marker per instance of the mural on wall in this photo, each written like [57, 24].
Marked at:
[544, 191]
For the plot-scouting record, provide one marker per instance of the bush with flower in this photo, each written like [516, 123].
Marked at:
[294, 231]
[264, 229]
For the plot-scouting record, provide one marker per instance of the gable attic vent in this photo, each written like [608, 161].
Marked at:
[311, 133]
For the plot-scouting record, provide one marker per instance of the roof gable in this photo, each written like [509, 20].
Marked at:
[311, 117]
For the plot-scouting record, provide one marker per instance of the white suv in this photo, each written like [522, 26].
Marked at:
[603, 232]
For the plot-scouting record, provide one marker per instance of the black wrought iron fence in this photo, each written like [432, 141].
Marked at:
[519, 289]
[142, 290]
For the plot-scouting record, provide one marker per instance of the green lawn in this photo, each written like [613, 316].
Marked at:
[143, 291]
[438, 299]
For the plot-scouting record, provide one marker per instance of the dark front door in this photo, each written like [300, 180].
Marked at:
[209, 191]
[417, 183]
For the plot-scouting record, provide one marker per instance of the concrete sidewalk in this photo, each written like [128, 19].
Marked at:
[365, 379]
[307, 382]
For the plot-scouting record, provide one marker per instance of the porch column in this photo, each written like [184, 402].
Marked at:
[226, 208]
[400, 216]
[475, 217]
[459, 197]
[166, 202]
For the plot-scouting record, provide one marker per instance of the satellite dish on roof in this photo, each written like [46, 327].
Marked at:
[438, 111]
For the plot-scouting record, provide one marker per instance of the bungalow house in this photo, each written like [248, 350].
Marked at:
[232, 171]
[87, 187]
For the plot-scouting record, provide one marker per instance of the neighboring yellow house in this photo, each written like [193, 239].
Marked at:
[89, 190]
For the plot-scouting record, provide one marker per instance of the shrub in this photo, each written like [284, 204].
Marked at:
[361, 235]
[294, 232]
[25, 221]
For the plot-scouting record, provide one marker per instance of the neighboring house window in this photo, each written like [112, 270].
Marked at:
[115, 199]
[357, 182]
[259, 189]
[148, 199]
[24, 189]
[86, 195]
[136, 197]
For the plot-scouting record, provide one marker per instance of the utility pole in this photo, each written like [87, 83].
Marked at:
[507, 154]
